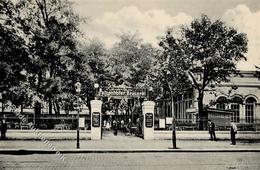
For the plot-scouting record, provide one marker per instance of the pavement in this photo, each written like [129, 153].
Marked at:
[158, 135]
[124, 144]
[134, 161]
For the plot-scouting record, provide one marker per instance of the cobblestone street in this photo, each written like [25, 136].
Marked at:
[134, 161]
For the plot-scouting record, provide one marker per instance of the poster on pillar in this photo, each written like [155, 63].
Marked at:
[95, 119]
[149, 120]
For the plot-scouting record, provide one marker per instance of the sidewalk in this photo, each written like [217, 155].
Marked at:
[158, 135]
[121, 143]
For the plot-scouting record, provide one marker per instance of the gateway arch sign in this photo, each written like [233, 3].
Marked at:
[117, 92]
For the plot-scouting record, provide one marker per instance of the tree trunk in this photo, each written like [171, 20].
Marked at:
[56, 107]
[50, 106]
[173, 123]
[37, 113]
[57, 110]
[201, 116]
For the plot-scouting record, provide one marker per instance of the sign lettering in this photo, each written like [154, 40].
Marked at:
[95, 119]
[123, 92]
[149, 120]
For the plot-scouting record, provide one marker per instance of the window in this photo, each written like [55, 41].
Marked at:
[235, 107]
[221, 106]
[250, 110]
[221, 103]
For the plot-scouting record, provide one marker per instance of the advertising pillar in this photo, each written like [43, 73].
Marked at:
[148, 119]
[96, 121]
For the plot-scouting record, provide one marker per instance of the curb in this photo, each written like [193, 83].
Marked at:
[76, 151]
[88, 139]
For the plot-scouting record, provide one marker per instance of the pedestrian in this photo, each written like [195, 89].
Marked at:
[115, 123]
[104, 123]
[3, 130]
[129, 127]
[122, 125]
[139, 126]
[108, 125]
[233, 131]
[211, 128]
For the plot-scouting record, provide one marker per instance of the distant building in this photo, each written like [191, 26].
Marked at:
[240, 95]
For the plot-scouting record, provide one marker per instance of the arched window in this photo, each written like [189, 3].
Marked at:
[250, 109]
[235, 107]
[221, 103]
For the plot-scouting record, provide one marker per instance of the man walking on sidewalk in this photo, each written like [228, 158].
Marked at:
[233, 131]
[211, 128]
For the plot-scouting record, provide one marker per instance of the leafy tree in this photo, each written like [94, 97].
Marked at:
[170, 71]
[214, 50]
[131, 60]
[96, 61]
[14, 56]
[50, 30]
[130, 64]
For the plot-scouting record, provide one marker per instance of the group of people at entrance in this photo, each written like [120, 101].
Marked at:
[233, 131]
[125, 126]
[113, 124]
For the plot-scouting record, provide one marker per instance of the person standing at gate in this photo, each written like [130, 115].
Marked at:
[3, 130]
[129, 127]
[108, 125]
[122, 125]
[139, 126]
[211, 128]
[115, 124]
[233, 131]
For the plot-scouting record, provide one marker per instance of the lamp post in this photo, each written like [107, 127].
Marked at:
[149, 93]
[96, 86]
[78, 89]
[2, 109]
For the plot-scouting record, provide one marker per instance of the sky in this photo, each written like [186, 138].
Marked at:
[106, 19]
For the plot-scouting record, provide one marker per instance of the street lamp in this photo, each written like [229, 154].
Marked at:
[149, 93]
[78, 90]
[96, 86]
[2, 110]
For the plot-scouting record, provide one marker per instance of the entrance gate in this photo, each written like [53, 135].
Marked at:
[146, 115]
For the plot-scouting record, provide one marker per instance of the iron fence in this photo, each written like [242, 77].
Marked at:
[70, 122]
[192, 125]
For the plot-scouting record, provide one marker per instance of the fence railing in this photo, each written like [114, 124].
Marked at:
[57, 123]
[70, 122]
[191, 125]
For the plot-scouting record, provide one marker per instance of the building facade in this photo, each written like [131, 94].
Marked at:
[240, 95]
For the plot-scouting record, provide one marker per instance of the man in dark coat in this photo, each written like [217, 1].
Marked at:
[233, 131]
[115, 125]
[211, 128]
[3, 130]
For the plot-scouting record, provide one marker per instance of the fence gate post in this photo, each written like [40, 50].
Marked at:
[96, 119]
[148, 119]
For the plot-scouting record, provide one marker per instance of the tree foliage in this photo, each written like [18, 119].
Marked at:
[131, 60]
[213, 49]
[172, 65]
[169, 76]
[48, 31]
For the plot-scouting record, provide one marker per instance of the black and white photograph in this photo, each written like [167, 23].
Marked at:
[129, 84]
